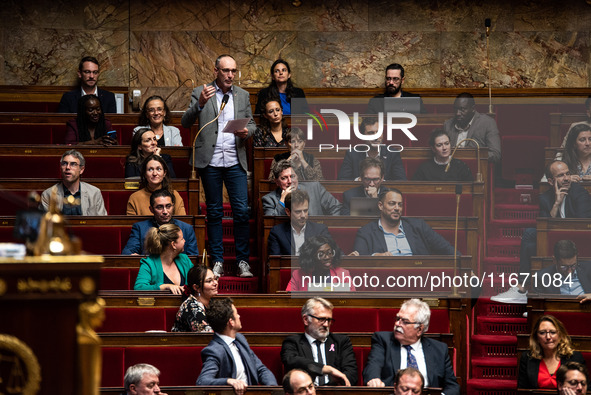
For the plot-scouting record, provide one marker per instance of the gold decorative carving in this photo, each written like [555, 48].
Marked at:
[432, 302]
[146, 301]
[18, 355]
[87, 286]
[92, 315]
[44, 286]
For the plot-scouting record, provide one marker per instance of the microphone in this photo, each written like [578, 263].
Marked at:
[458, 195]
[487, 25]
[224, 102]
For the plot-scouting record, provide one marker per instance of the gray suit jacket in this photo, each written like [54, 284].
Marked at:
[321, 201]
[91, 199]
[483, 129]
[205, 143]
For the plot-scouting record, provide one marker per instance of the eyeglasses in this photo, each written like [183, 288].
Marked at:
[322, 320]
[404, 321]
[545, 333]
[326, 254]
[568, 267]
[155, 110]
[73, 165]
[88, 72]
[368, 180]
[228, 71]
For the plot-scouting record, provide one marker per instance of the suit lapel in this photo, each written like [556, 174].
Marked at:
[330, 349]
[395, 355]
[429, 361]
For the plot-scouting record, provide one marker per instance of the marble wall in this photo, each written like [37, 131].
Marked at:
[155, 45]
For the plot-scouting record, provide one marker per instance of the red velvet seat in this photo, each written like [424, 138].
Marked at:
[130, 319]
[177, 365]
[114, 279]
[113, 366]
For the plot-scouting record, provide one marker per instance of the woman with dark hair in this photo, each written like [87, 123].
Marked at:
[281, 88]
[144, 144]
[154, 176]
[549, 348]
[434, 170]
[273, 131]
[90, 126]
[305, 165]
[155, 116]
[577, 152]
[165, 267]
[319, 261]
[202, 285]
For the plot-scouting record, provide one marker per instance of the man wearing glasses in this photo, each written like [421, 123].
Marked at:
[372, 176]
[88, 73]
[567, 276]
[74, 197]
[221, 159]
[394, 81]
[407, 347]
[572, 379]
[469, 123]
[327, 357]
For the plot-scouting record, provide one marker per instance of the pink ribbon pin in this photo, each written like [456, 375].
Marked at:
[331, 347]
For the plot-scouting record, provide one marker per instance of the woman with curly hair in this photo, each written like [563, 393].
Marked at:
[273, 131]
[549, 348]
[319, 261]
[577, 152]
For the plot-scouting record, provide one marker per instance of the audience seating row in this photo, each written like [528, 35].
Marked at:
[550, 230]
[158, 349]
[115, 193]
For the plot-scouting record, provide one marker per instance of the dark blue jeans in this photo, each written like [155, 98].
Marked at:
[213, 179]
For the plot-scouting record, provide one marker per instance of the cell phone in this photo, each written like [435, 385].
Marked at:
[112, 134]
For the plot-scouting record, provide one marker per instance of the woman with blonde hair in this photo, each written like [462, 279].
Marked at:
[165, 267]
[549, 348]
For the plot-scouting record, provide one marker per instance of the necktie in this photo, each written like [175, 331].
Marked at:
[321, 379]
[411, 361]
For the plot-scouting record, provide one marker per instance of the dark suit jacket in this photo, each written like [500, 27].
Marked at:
[530, 367]
[392, 164]
[264, 94]
[135, 244]
[218, 364]
[577, 204]
[69, 101]
[384, 361]
[376, 103]
[422, 239]
[205, 143]
[583, 273]
[281, 240]
[296, 353]
[354, 192]
[322, 202]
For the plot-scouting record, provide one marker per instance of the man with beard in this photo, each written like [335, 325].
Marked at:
[288, 237]
[394, 83]
[393, 168]
[407, 347]
[327, 357]
[572, 379]
[564, 199]
[162, 206]
[88, 73]
[391, 235]
[469, 123]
